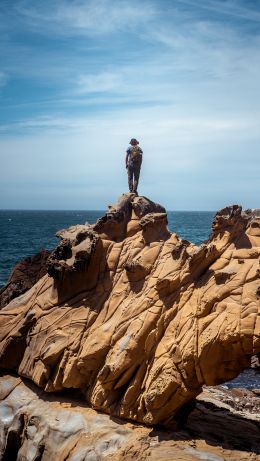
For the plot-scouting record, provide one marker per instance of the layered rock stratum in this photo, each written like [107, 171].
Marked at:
[134, 317]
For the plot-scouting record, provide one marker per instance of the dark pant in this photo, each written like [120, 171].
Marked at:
[133, 175]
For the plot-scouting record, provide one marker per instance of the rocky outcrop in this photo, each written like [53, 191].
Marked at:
[134, 317]
[35, 426]
[24, 275]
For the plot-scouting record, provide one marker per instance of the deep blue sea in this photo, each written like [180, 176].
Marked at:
[24, 233]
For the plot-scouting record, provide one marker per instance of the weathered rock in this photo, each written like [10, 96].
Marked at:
[255, 362]
[70, 256]
[136, 318]
[123, 219]
[24, 275]
[35, 426]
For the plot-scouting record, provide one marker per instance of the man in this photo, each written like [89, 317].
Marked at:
[134, 157]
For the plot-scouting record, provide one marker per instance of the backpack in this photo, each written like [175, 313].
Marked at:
[135, 153]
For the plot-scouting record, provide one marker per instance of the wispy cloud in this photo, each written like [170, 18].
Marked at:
[233, 8]
[160, 123]
[95, 17]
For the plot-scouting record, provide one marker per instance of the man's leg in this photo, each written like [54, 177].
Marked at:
[130, 178]
[137, 168]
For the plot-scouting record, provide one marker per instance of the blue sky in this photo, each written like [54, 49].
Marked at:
[78, 79]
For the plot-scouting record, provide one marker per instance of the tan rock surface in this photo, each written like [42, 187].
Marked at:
[38, 426]
[137, 318]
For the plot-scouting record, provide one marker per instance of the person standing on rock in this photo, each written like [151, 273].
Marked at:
[134, 157]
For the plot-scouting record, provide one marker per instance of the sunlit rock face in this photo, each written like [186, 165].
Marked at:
[137, 318]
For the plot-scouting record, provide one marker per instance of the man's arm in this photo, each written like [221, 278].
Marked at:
[126, 158]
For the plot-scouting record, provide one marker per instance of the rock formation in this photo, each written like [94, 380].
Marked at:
[136, 318]
[24, 275]
[35, 427]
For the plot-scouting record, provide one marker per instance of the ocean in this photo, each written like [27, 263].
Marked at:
[24, 233]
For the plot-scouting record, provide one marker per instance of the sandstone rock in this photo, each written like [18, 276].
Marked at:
[35, 426]
[136, 318]
[24, 275]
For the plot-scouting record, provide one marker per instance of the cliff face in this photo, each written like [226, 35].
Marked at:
[137, 318]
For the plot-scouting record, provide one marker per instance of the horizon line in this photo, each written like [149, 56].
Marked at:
[90, 210]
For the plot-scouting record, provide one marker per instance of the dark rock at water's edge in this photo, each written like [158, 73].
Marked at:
[24, 275]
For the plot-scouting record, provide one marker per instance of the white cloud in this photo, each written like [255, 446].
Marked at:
[186, 49]
[208, 49]
[94, 17]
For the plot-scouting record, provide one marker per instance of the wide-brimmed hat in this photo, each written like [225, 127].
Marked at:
[134, 141]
